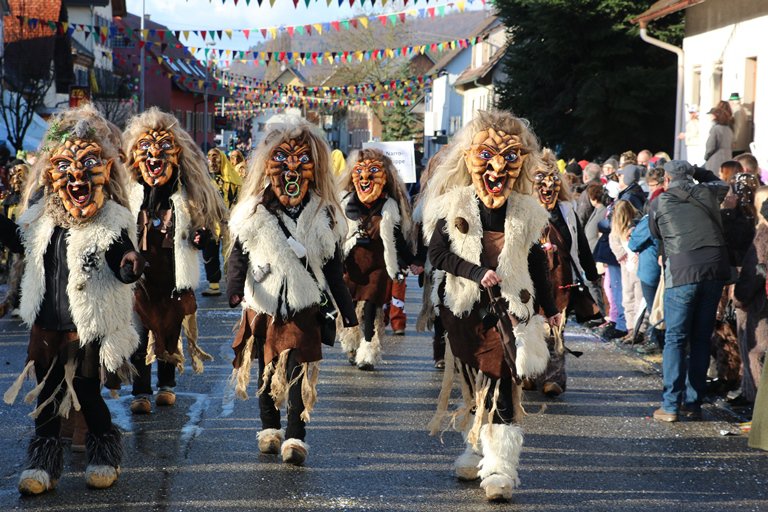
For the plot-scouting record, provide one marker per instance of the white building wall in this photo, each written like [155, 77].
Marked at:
[477, 98]
[727, 49]
[93, 16]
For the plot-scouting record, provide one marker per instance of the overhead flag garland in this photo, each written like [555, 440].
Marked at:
[307, 3]
[103, 32]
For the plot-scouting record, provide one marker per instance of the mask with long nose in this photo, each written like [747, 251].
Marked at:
[547, 187]
[291, 169]
[494, 160]
[369, 178]
[156, 156]
[78, 175]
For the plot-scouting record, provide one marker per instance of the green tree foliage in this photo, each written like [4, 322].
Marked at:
[578, 70]
[398, 123]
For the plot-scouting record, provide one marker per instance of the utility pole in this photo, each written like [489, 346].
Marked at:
[205, 114]
[142, 59]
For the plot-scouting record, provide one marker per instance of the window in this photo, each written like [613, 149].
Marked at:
[750, 81]
[717, 84]
[190, 122]
[696, 87]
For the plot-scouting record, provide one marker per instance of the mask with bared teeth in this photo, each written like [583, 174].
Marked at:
[291, 169]
[494, 160]
[369, 178]
[548, 186]
[156, 156]
[78, 175]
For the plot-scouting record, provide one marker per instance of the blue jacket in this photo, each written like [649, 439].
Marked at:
[642, 242]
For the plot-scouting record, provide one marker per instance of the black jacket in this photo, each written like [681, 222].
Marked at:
[692, 243]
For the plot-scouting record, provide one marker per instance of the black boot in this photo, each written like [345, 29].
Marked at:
[104, 452]
[45, 463]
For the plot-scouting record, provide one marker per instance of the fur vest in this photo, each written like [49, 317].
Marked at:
[525, 220]
[101, 305]
[186, 267]
[390, 218]
[265, 243]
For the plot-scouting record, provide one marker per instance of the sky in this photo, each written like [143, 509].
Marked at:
[213, 15]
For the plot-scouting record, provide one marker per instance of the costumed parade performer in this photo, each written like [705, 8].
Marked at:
[483, 227]
[238, 161]
[77, 234]
[570, 262]
[14, 263]
[376, 253]
[285, 264]
[228, 182]
[178, 209]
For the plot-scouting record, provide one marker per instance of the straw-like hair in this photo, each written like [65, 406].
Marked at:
[549, 166]
[395, 188]
[204, 199]
[98, 130]
[452, 171]
[294, 127]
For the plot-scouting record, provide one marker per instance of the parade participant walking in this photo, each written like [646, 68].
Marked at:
[378, 217]
[178, 209]
[237, 160]
[686, 220]
[76, 233]
[285, 263]
[570, 263]
[484, 225]
[228, 182]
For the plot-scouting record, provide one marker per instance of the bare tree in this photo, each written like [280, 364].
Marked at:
[22, 96]
[113, 97]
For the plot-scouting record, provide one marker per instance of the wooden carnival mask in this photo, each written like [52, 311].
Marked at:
[548, 186]
[156, 155]
[290, 169]
[494, 161]
[78, 175]
[369, 178]
[214, 162]
[17, 176]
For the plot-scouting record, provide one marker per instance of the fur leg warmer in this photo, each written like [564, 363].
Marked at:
[45, 463]
[270, 440]
[349, 337]
[532, 350]
[501, 455]
[294, 451]
[369, 352]
[104, 453]
[467, 465]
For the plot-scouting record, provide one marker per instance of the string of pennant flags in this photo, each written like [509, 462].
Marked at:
[351, 3]
[103, 32]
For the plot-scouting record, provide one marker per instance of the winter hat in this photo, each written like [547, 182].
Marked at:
[573, 168]
[612, 162]
[630, 174]
[678, 170]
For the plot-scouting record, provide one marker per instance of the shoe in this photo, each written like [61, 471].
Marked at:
[529, 385]
[101, 476]
[612, 333]
[270, 440]
[141, 405]
[35, 481]
[213, 290]
[465, 467]
[366, 367]
[605, 326]
[498, 487]
[629, 338]
[351, 357]
[294, 451]
[399, 332]
[738, 401]
[661, 415]
[648, 349]
[552, 389]
[165, 397]
[440, 365]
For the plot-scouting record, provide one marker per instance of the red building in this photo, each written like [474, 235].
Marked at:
[174, 81]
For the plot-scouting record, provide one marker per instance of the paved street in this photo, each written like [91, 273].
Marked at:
[593, 449]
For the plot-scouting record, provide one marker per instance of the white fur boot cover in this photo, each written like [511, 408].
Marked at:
[501, 455]
[369, 353]
[294, 451]
[270, 440]
[467, 465]
[532, 350]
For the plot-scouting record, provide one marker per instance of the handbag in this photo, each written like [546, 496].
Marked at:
[326, 308]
